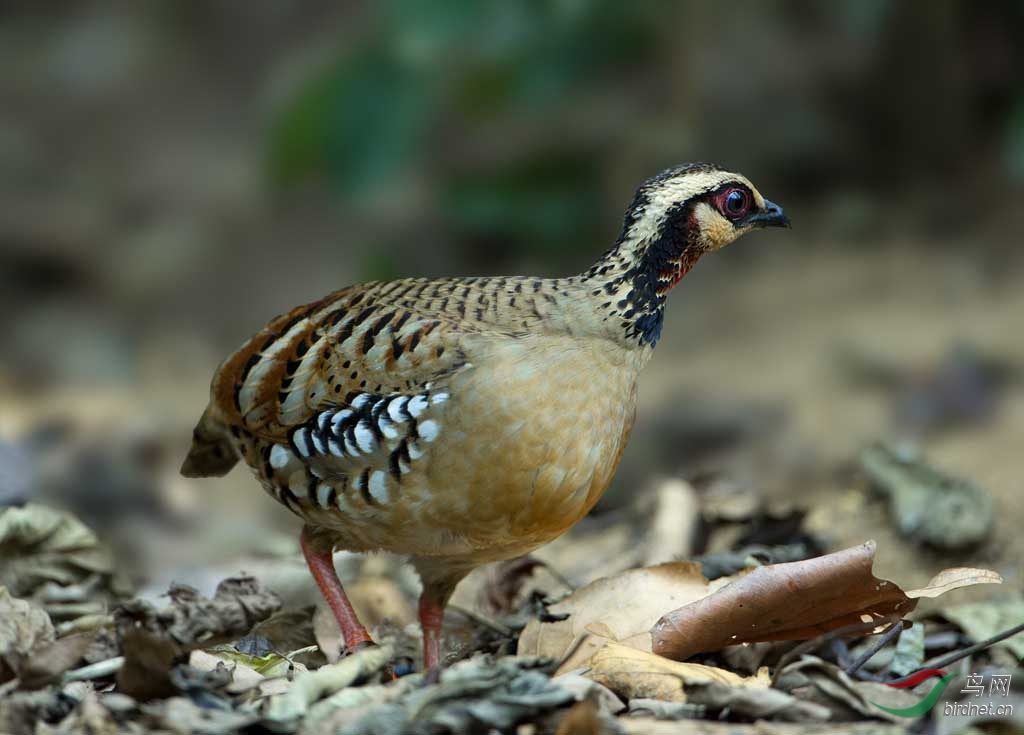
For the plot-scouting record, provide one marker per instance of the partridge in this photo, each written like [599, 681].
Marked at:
[460, 421]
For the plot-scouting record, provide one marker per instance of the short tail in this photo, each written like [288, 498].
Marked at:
[212, 454]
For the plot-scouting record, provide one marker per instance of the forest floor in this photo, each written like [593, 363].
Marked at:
[803, 401]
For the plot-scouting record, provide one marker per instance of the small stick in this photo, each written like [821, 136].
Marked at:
[949, 658]
[84, 623]
[891, 632]
[95, 671]
[863, 675]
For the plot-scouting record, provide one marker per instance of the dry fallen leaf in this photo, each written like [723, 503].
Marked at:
[954, 578]
[825, 684]
[148, 659]
[929, 505]
[834, 591]
[582, 719]
[49, 661]
[243, 678]
[23, 627]
[981, 620]
[649, 591]
[584, 688]
[632, 674]
[482, 694]
[40, 544]
[153, 640]
[757, 704]
[648, 726]
[290, 706]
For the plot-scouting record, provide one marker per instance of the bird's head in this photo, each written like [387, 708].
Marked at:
[690, 210]
[674, 219]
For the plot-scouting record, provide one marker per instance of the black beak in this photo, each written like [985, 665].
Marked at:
[772, 216]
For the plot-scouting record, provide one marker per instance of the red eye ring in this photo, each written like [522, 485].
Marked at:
[734, 202]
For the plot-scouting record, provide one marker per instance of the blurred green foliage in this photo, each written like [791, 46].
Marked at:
[517, 121]
[378, 111]
[1015, 141]
[360, 119]
[357, 121]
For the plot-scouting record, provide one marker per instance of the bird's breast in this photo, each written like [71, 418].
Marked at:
[532, 438]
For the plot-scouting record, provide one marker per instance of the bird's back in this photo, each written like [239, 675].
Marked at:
[357, 410]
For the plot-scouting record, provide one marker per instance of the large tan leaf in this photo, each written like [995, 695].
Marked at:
[797, 601]
[625, 606]
[633, 674]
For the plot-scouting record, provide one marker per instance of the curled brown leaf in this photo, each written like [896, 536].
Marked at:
[795, 601]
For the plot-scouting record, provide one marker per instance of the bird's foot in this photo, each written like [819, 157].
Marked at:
[432, 675]
[360, 646]
[387, 673]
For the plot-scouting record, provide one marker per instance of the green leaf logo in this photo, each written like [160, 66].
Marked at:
[925, 704]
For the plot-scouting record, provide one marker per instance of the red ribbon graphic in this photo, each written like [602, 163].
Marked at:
[915, 679]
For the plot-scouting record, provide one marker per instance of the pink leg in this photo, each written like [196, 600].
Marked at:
[321, 564]
[431, 615]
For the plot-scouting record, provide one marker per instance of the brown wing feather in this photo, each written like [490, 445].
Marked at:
[325, 353]
[380, 338]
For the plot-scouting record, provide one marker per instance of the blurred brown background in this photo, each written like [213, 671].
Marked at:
[175, 174]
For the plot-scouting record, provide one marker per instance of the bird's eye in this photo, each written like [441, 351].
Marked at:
[736, 202]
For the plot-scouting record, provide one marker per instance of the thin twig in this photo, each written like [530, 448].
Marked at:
[949, 658]
[808, 646]
[891, 632]
[481, 620]
[559, 577]
[841, 651]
